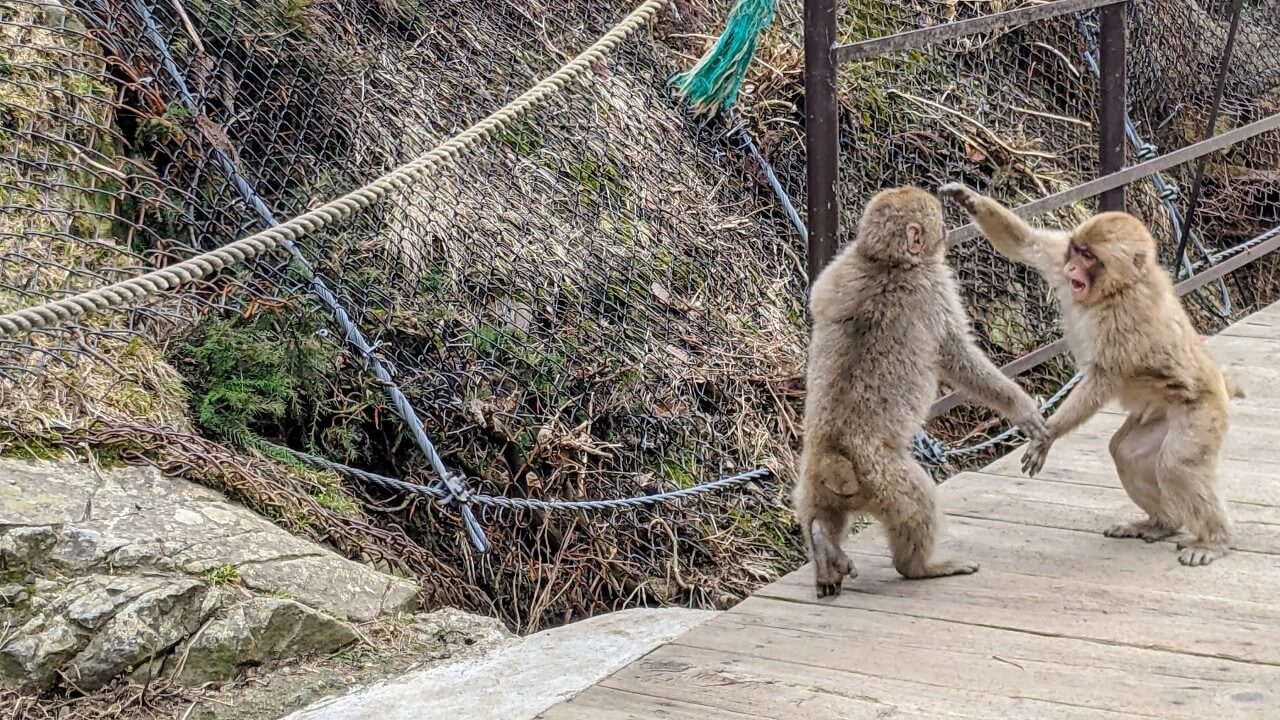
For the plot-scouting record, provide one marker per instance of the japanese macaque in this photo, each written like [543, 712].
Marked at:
[887, 321]
[1133, 342]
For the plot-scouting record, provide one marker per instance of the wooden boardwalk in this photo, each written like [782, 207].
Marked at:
[1060, 623]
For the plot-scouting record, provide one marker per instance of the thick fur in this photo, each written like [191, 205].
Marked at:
[1134, 343]
[887, 322]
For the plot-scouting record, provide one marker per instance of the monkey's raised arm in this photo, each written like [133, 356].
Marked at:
[1041, 248]
[964, 366]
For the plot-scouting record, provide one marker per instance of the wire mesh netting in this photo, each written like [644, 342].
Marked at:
[602, 300]
[1014, 113]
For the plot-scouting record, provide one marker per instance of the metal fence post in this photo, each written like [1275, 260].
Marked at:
[1210, 127]
[1113, 99]
[822, 141]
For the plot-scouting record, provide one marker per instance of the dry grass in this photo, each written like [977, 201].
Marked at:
[59, 234]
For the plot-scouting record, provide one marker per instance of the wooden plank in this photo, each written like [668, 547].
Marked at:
[604, 703]
[1243, 480]
[1084, 508]
[1164, 619]
[1263, 324]
[1064, 671]
[1084, 557]
[1253, 439]
[765, 688]
[1060, 623]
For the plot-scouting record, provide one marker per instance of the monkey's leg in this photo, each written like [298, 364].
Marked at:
[825, 516]
[909, 510]
[1134, 449]
[1187, 472]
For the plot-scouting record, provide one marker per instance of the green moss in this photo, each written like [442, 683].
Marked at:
[678, 473]
[221, 575]
[249, 377]
[488, 340]
[337, 502]
[525, 136]
[599, 181]
[30, 449]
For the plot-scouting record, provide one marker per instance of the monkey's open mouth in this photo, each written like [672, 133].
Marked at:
[1078, 288]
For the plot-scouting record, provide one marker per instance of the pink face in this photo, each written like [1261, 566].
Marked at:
[1081, 269]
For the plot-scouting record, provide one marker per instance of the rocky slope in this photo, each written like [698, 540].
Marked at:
[108, 572]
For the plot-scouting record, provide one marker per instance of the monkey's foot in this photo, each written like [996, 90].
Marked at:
[1151, 530]
[1194, 553]
[939, 569]
[829, 577]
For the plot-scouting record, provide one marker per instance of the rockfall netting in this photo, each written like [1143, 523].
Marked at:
[603, 300]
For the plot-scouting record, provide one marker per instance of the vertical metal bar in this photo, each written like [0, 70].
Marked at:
[1193, 203]
[822, 140]
[1113, 99]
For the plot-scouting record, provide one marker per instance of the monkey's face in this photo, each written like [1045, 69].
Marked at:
[1082, 269]
[1107, 254]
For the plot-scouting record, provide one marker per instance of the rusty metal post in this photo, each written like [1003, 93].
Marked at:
[1210, 127]
[822, 134]
[1113, 99]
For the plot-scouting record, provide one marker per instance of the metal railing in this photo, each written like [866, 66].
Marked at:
[824, 56]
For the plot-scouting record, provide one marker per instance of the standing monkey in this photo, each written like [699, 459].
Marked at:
[887, 320]
[1133, 341]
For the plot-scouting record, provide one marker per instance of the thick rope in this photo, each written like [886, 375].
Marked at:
[128, 292]
[456, 488]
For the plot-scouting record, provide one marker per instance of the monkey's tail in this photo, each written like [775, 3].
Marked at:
[1233, 387]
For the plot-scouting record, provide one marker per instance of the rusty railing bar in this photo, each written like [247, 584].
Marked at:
[912, 39]
[1113, 100]
[1197, 180]
[1128, 175]
[822, 134]
[1041, 355]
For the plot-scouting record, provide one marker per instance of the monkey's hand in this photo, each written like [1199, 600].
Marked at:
[1037, 453]
[960, 194]
[1032, 423]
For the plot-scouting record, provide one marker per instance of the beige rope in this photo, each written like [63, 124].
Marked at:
[121, 294]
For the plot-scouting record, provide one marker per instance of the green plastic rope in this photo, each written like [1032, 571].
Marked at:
[713, 83]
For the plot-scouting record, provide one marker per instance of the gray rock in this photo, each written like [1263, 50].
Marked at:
[11, 595]
[43, 586]
[148, 626]
[24, 547]
[115, 560]
[101, 597]
[36, 492]
[333, 585]
[34, 654]
[258, 632]
[83, 548]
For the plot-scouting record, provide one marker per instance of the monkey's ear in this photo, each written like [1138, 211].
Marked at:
[1139, 259]
[915, 238]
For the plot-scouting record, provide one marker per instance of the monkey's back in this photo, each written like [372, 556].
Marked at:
[873, 353]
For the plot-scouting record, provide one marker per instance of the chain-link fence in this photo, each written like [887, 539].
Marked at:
[602, 300]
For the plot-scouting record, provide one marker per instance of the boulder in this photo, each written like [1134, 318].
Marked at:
[109, 572]
[257, 632]
[143, 628]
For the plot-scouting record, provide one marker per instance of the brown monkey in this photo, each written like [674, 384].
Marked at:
[887, 320]
[1133, 341]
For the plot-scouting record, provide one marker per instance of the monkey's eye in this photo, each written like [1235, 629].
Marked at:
[1083, 252]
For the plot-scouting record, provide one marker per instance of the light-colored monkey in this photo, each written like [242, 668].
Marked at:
[1134, 342]
[887, 321]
